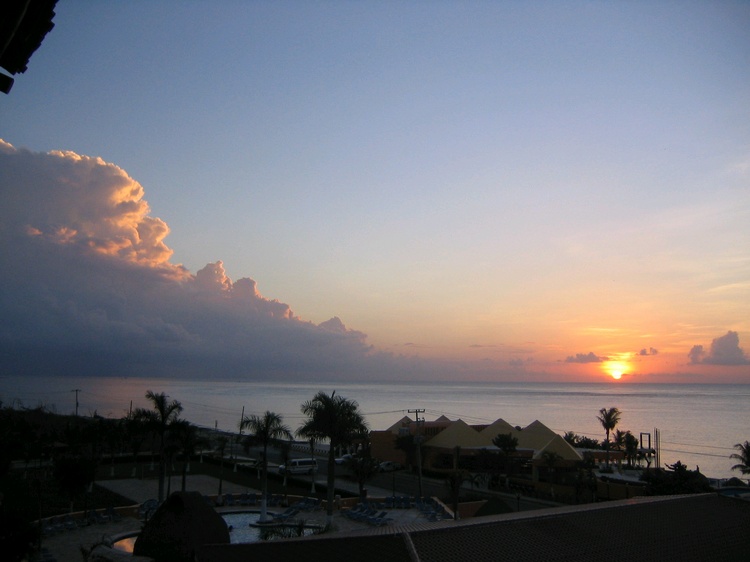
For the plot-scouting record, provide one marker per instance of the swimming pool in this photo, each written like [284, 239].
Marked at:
[243, 528]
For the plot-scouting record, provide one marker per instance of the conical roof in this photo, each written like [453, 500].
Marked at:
[181, 524]
[535, 436]
[460, 434]
[497, 427]
[561, 447]
[406, 420]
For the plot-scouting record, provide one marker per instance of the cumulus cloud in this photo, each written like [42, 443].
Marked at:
[725, 350]
[81, 201]
[589, 357]
[88, 288]
[649, 351]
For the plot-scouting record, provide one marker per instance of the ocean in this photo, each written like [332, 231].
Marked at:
[698, 423]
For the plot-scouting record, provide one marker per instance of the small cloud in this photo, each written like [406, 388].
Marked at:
[725, 350]
[589, 357]
[649, 351]
[696, 354]
[520, 362]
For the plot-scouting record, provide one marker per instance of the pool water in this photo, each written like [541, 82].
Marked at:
[242, 530]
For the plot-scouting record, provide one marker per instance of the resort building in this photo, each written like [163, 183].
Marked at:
[453, 444]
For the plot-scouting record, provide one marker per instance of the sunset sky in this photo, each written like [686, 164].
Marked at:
[380, 190]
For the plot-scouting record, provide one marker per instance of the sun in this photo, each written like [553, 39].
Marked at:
[615, 369]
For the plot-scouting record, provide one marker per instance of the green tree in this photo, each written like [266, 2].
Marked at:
[185, 437]
[159, 419]
[631, 447]
[336, 419]
[677, 479]
[571, 438]
[507, 445]
[743, 455]
[581, 441]
[609, 418]
[408, 445]
[265, 429]
[618, 440]
[550, 459]
[363, 467]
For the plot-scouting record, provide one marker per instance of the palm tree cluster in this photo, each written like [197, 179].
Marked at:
[338, 420]
[159, 421]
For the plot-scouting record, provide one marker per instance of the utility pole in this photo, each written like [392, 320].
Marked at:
[76, 390]
[418, 442]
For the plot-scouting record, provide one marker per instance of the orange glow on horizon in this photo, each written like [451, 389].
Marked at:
[616, 369]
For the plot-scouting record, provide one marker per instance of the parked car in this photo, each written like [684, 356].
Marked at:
[343, 459]
[388, 466]
[299, 466]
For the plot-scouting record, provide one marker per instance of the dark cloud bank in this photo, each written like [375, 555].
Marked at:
[88, 289]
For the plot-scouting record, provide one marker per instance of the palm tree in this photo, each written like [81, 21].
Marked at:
[631, 447]
[265, 428]
[186, 439]
[221, 446]
[164, 413]
[336, 419]
[609, 418]
[507, 445]
[743, 456]
[137, 430]
[618, 440]
[550, 459]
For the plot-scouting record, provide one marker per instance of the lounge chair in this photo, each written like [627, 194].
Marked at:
[372, 518]
[364, 515]
[147, 508]
[113, 514]
[275, 500]
[286, 515]
[228, 499]
[69, 522]
[381, 520]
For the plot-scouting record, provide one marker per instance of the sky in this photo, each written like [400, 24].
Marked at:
[490, 191]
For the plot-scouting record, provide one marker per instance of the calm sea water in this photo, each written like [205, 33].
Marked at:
[699, 424]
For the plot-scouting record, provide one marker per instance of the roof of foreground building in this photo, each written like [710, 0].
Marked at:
[699, 527]
[23, 26]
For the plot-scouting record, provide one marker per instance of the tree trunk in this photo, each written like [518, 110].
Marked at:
[331, 483]
[264, 486]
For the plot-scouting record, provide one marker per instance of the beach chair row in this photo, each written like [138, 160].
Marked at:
[309, 504]
[245, 499]
[62, 523]
[431, 510]
[399, 502]
[365, 513]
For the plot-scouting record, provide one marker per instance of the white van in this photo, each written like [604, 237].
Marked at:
[299, 466]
